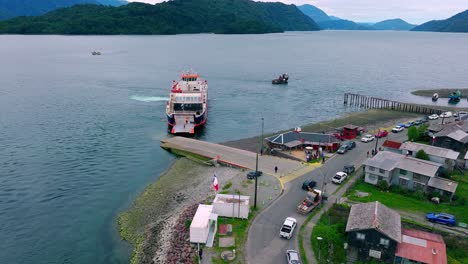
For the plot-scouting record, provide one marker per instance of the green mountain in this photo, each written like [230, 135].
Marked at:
[457, 23]
[393, 24]
[171, 17]
[342, 24]
[14, 8]
[313, 12]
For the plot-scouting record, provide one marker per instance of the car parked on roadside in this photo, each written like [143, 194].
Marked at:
[446, 114]
[441, 218]
[381, 134]
[287, 229]
[409, 124]
[348, 169]
[433, 117]
[351, 144]
[343, 149]
[253, 174]
[418, 122]
[367, 138]
[292, 257]
[398, 129]
[308, 184]
[339, 177]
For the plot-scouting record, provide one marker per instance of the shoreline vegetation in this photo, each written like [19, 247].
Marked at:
[443, 93]
[149, 223]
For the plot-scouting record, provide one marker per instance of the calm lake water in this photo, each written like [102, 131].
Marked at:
[79, 136]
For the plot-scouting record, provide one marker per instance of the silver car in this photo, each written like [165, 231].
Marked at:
[292, 256]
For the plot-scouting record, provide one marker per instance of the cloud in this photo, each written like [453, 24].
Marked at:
[414, 11]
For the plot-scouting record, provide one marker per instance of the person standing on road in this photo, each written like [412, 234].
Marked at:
[276, 169]
[200, 253]
[367, 153]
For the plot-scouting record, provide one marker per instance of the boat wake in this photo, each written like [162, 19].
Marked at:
[147, 99]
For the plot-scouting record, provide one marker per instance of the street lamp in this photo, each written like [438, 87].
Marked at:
[256, 166]
[318, 243]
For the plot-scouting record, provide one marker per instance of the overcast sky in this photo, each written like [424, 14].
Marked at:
[413, 11]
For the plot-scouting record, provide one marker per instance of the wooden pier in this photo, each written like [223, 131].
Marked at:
[369, 102]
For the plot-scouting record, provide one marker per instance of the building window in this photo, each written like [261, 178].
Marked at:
[384, 242]
[380, 178]
[381, 171]
[402, 172]
[371, 168]
[416, 177]
[418, 186]
[403, 182]
[360, 236]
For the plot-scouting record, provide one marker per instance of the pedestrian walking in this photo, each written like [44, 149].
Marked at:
[200, 253]
[323, 159]
[276, 169]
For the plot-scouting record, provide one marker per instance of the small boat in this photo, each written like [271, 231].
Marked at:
[435, 97]
[94, 53]
[454, 97]
[282, 79]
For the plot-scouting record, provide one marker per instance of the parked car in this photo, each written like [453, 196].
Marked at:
[351, 144]
[433, 117]
[292, 257]
[367, 138]
[308, 184]
[446, 114]
[287, 229]
[343, 149]
[398, 129]
[409, 124]
[425, 119]
[348, 169]
[441, 218]
[339, 177]
[418, 122]
[253, 174]
[381, 134]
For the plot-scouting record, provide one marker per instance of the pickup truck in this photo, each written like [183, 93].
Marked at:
[312, 200]
[288, 227]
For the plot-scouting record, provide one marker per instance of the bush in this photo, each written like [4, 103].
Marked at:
[421, 154]
[412, 133]
[383, 185]
[444, 173]
[227, 186]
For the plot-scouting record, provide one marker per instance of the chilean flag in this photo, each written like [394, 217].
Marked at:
[215, 182]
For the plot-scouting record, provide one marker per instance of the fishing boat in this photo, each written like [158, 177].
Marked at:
[187, 107]
[96, 53]
[454, 97]
[282, 79]
[435, 97]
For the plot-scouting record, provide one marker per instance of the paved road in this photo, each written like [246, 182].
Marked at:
[264, 246]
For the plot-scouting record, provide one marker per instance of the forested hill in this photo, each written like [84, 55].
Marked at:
[457, 23]
[14, 8]
[172, 17]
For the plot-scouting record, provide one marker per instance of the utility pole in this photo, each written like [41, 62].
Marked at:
[256, 167]
[377, 141]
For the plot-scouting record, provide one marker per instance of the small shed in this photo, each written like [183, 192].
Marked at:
[232, 205]
[393, 146]
[350, 132]
[204, 225]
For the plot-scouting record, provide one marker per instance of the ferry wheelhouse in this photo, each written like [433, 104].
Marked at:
[187, 107]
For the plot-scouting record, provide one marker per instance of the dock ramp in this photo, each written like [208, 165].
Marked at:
[188, 128]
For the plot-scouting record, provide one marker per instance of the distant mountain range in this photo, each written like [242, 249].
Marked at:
[14, 8]
[457, 23]
[171, 17]
[330, 22]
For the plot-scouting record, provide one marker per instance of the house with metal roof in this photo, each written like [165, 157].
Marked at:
[451, 136]
[446, 157]
[374, 231]
[407, 172]
[393, 146]
[420, 247]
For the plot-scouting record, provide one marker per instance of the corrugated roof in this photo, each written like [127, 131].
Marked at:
[375, 216]
[391, 144]
[202, 216]
[389, 160]
[351, 127]
[422, 246]
[431, 150]
[443, 184]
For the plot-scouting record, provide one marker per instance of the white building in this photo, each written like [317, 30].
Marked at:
[232, 205]
[446, 157]
[204, 225]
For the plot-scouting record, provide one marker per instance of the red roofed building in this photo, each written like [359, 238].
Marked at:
[392, 146]
[420, 247]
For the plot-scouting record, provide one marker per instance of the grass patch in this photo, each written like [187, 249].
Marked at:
[227, 186]
[411, 204]
[189, 155]
[240, 229]
[301, 233]
[331, 228]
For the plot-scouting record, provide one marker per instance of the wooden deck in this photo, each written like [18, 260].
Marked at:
[235, 157]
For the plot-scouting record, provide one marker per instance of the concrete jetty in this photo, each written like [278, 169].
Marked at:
[238, 157]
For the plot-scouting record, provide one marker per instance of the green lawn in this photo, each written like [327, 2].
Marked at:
[411, 204]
